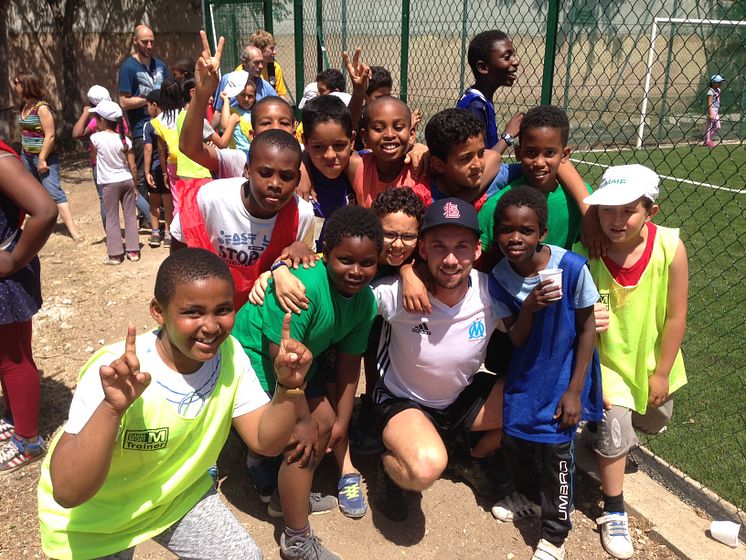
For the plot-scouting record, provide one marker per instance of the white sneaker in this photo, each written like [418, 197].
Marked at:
[615, 536]
[547, 551]
[514, 507]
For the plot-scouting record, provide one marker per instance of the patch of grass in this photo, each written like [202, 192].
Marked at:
[707, 434]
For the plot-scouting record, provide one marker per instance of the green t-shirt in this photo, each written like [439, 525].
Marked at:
[564, 216]
[331, 318]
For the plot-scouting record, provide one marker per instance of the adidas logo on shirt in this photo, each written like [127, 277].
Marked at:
[421, 329]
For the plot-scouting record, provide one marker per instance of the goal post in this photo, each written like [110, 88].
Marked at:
[651, 59]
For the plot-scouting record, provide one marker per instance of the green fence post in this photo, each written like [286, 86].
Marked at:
[234, 43]
[319, 36]
[464, 15]
[404, 50]
[268, 18]
[568, 65]
[549, 52]
[298, 42]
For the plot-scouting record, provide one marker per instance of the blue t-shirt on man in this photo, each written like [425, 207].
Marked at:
[263, 89]
[139, 80]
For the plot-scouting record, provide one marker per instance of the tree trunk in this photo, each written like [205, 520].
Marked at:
[70, 96]
[6, 97]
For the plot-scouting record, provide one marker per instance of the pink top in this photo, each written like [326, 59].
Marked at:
[368, 186]
[90, 128]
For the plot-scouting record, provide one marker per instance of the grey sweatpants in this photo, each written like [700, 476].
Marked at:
[113, 194]
[209, 531]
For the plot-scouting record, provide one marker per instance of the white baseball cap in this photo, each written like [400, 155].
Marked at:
[108, 110]
[97, 94]
[622, 184]
[717, 78]
[236, 83]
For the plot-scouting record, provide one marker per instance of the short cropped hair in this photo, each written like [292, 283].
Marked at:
[449, 128]
[261, 39]
[352, 221]
[323, 109]
[379, 78]
[399, 199]
[365, 117]
[523, 196]
[333, 79]
[268, 101]
[482, 45]
[186, 266]
[276, 138]
[546, 116]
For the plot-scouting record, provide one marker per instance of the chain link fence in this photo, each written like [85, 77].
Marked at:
[633, 78]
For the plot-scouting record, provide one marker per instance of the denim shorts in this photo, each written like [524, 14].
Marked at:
[50, 179]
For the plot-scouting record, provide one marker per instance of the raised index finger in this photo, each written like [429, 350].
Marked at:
[286, 327]
[129, 342]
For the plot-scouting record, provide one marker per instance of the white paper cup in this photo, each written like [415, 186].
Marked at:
[555, 275]
[726, 532]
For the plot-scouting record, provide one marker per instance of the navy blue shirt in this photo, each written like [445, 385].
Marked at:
[139, 80]
[474, 101]
[330, 195]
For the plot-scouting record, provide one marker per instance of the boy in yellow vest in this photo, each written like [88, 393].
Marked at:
[132, 461]
[644, 282]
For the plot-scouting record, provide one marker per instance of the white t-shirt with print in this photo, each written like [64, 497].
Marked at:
[111, 158]
[431, 358]
[185, 393]
[238, 237]
[231, 162]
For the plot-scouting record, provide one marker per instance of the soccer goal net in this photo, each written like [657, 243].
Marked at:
[683, 54]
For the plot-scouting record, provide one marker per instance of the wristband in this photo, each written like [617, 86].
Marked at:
[507, 138]
[278, 264]
[297, 391]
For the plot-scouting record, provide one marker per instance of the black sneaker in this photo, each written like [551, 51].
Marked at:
[391, 499]
[488, 476]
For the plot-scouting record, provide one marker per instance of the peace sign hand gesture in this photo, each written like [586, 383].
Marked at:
[359, 72]
[293, 360]
[122, 380]
[207, 68]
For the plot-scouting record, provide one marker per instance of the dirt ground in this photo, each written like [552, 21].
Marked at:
[87, 305]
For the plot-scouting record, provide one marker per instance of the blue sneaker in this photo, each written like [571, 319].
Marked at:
[16, 453]
[351, 498]
[263, 477]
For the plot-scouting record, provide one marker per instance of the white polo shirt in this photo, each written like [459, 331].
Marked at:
[431, 358]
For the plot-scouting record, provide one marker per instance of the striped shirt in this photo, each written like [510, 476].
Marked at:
[32, 134]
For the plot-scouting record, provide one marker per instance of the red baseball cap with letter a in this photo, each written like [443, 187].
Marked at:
[451, 212]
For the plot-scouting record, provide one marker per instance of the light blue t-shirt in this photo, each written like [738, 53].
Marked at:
[263, 89]
[585, 294]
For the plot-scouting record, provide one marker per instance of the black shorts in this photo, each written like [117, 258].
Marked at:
[160, 183]
[453, 422]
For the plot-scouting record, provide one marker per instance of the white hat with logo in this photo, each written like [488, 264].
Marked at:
[622, 184]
